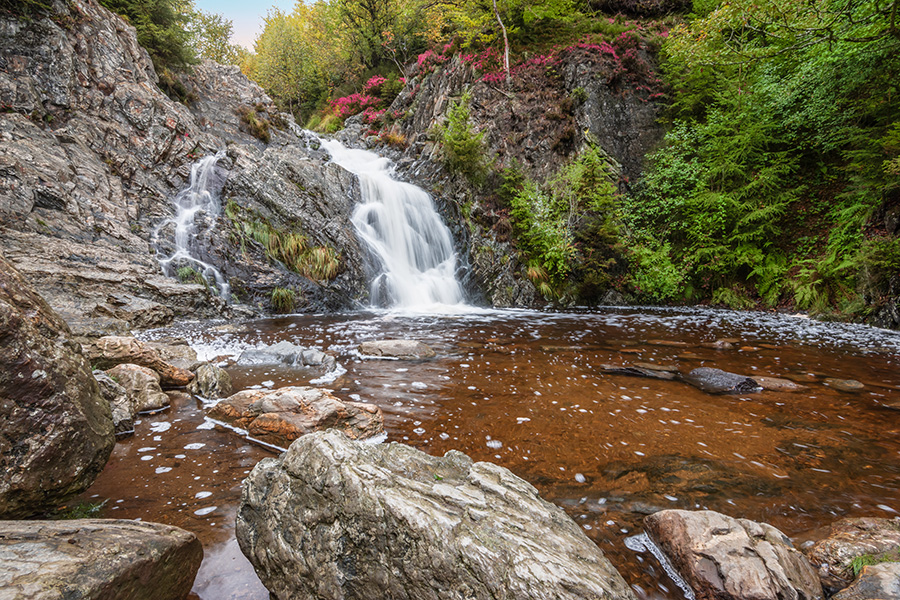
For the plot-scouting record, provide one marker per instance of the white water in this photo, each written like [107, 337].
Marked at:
[190, 201]
[398, 222]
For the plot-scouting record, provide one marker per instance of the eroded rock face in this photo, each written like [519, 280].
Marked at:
[405, 349]
[97, 558]
[723, 558]
[142, 384]
[717, 381]
[876, 582]
[109, 351]
[848, 539]
[56, 430]
[333, 518]
[120, 402]
[211, 382]
[278, 417]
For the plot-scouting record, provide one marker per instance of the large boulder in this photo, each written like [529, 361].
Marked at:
[849, 539]
[723, 558]
[142, 384]
[120, 401]
[278, 417]
[334, 518]
[405, 349]
[110, 351]
[717, 381]
[97, 559]
[211, 382]
[286, 353]
[56, 430]
[876, 582]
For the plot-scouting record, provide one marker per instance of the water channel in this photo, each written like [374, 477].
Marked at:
[524, 389]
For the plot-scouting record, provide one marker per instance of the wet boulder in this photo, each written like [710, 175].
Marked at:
[404, 349]
[142, 384]
[717, 381]
[211, 382]
[849, 539]
[636, 371]
[845, 385]
[286, 353]
[776, 384]
[120, 402]
[334, 518]
[876, 582]
[723, 558]
[278, 417]
[57, 430]
[110, 351]
[97, 558]
[177, 352]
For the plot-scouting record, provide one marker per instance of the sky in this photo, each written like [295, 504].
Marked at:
[247, 17]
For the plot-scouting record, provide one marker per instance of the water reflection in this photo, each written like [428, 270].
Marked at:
[524, 390]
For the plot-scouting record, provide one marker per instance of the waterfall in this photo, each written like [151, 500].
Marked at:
[197, 198]
[399, 224]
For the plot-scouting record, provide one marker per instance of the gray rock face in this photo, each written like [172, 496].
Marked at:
[848, 539]
[96, 559]
[120, 402]
[723, 558]
[406, 349]
[211, 382]
[142, 384]
[716, 381]
[332, 518]
[56, 430]
[876, 582]
[109, 351]
[278, 417]
[91, 154]
[286, 353]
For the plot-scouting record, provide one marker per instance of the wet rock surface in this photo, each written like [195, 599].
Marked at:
[848, 539]
[110, 351]
[403, 349]
[211, 382]
[278, 417]
[142, 384]
[636, 371]
[56, 430]
[875, 582]
[717, 381]
[286, 353]
[97, 558]
[777, 384]
[120, 403]
[335, 518]
[844, 385]
[725, 558]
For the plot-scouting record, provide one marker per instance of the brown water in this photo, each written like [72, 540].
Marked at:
[523, 390]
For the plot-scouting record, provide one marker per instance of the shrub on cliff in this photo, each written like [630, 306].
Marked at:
[462, 147]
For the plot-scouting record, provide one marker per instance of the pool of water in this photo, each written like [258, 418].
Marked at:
[525, 390]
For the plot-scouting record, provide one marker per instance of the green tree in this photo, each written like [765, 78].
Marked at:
[162, 29]
[211, 38]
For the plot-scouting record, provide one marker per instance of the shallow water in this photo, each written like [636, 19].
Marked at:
[523, 390]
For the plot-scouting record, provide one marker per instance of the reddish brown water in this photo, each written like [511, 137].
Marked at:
[523, 390]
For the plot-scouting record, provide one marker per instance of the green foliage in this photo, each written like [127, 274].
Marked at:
[211, 38]
[866, 560]
[163, 29]
[290, 248]
[462, 147]
[654, 276]
[284, 300]
[255, 122]
[80, 510]
[188, 274]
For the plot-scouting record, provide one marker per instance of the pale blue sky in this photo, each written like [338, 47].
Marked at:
[246, 16]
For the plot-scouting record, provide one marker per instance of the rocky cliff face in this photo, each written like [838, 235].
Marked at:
[92, 154]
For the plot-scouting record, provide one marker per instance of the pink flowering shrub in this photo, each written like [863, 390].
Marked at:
[428, 61]
[353, 104]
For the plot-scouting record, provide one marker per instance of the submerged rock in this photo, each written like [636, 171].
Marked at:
[845, 385]
[120, 402]
[723, 558]
[333, 518]
[278, 417]
[876, 582]
[405, 349]
[142, 384]
[849, 539]
[57, 430]
[636, 371]
[97, 558]
[718, 345]
[211, 382]
[776, 384]
[110, 351]
[717, 381]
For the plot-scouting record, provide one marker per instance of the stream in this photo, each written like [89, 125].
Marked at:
[523, 389]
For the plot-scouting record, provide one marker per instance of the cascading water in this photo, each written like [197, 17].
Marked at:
[198, 197]
[398, 222]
